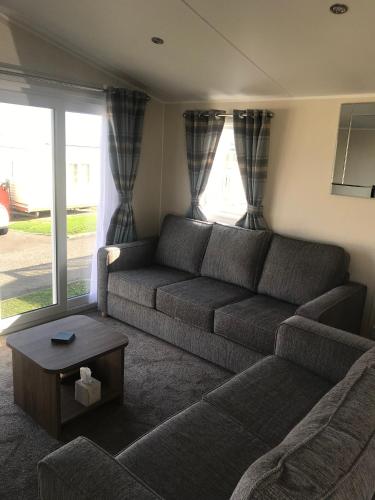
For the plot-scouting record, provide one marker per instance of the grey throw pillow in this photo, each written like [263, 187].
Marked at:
[182, 243]
[236, 255]
[298, 271]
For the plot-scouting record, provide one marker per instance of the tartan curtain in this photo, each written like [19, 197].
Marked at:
[203, 130]
[125, 114]
[251, 136]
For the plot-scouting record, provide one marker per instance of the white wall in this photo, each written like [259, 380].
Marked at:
[23, 49]
[297, 199]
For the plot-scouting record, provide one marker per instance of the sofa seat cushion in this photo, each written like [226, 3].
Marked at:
[236, 255]
[253, 322]
[298, 271]
[198, 454]
[139, 285]
[270, 397]
[182, 243]
[195, 301]
[330, 453]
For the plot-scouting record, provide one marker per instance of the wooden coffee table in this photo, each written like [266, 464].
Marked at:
[44, 373]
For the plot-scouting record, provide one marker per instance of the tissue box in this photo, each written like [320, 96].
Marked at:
[88, 394]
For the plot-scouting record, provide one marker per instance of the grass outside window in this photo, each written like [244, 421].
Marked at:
[76, 224]
[39, 299]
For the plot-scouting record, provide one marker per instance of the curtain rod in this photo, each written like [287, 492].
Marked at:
[219, 115]
[56, 81]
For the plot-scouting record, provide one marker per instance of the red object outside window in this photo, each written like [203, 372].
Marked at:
[4, 196]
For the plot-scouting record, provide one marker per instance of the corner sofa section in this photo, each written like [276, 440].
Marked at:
[266, 434]
[220, 292]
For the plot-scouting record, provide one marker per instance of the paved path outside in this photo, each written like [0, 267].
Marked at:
[26, 261]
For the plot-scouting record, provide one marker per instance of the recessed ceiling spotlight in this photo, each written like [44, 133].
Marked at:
[157, 40]
[339, 8]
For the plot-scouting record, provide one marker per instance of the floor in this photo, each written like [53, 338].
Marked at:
[160, 380]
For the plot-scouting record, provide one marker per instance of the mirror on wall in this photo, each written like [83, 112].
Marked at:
[354, 170]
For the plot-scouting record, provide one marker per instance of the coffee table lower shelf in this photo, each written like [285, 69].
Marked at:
[71, 409]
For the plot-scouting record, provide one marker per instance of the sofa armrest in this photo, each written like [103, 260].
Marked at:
[341, 307]
[82, 470]
[326, 351]
[121, 257]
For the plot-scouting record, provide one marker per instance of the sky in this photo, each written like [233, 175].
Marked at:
[28, 126]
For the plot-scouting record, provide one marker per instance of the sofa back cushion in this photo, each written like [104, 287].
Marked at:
[330, 453]
[236, 255]
[182, 243]
[297, 271]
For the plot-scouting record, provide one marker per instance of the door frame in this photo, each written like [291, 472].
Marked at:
[60, 102]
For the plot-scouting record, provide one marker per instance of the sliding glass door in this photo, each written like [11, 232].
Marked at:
[83, 154]
[50, 151]
[28, 246]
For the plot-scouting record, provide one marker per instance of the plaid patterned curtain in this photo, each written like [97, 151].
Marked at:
[203, 130]
[251, 136]
[125, 113]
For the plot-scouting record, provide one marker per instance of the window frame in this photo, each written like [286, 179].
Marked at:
[59, 101]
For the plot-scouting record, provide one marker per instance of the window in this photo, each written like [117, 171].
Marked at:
[73, 173]
[50, 150]
[83, 137]
[27, 272]
[224, 198]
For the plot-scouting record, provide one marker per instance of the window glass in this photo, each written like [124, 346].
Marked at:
[27, 244]
[224, 198]
[83, 134]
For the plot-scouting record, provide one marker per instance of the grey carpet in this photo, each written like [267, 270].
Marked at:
[160, 380]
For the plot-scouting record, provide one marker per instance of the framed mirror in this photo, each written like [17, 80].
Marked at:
[354, 169]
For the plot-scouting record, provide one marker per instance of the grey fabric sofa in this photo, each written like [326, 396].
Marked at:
[220, 292]
[299, 424]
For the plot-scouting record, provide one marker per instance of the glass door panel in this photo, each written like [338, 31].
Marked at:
[27, 228]
[83, 138]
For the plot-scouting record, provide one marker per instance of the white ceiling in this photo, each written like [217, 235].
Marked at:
[217, 48]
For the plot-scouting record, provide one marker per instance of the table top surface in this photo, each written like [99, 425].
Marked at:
[92, 340]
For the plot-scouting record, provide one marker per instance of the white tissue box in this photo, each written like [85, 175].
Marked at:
[88, 394]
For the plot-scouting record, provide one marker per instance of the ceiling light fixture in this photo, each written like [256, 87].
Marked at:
[339, 8]
[157, 40]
